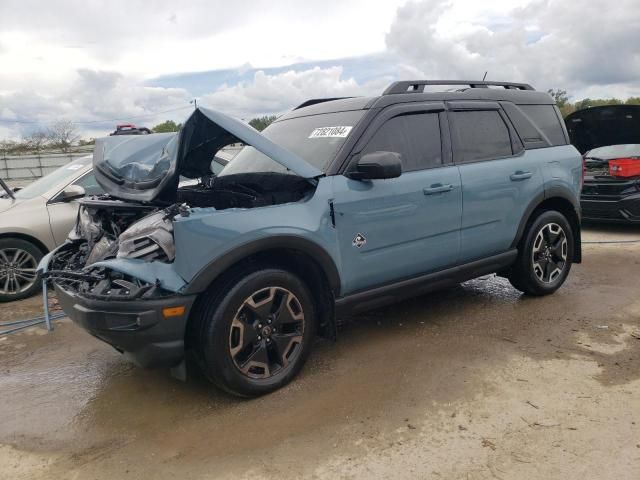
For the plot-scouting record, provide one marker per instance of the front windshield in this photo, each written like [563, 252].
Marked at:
[314, 138]
[62, 176]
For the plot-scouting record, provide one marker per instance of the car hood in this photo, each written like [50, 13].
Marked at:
[602, 126]
[148, 167]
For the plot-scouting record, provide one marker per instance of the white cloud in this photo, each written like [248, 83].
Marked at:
[578, 46]
[88, 62]
[143, 38]
[278, 93]
[92, 98]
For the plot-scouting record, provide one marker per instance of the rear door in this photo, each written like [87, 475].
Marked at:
[398, 228]
[498, 179]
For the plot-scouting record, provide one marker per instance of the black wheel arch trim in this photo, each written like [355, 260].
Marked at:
[217, 267]
[550, 193]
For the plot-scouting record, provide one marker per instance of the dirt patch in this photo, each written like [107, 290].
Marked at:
[473, 382]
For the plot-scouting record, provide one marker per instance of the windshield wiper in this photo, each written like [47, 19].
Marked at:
[7, 189]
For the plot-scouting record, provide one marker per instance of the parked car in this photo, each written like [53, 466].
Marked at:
[130, 129]
[337, 206]
[609, 138]
[36, 219]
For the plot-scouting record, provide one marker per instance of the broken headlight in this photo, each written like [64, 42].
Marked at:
[149, 239]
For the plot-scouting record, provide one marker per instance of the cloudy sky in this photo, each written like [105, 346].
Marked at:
[93, 62]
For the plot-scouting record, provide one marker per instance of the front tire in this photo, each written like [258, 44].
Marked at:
[545, 255]
[256, 334]
[18, 263]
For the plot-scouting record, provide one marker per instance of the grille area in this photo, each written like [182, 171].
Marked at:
[608, 189]
[147, 249]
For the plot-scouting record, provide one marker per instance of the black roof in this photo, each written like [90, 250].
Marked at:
[413, 91]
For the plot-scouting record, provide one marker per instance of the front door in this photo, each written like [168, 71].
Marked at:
[398, 228]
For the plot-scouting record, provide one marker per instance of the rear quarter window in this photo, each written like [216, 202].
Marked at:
[546, 119]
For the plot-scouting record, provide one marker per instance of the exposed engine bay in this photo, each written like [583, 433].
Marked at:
[108, 228]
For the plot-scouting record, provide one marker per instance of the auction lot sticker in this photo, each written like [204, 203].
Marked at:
[330, 132]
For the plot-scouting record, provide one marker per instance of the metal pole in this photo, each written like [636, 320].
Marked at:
[45, 296]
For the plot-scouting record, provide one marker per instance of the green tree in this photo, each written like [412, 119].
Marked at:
[167, 126]
[562, 101]
[260, 123]
[559, 96]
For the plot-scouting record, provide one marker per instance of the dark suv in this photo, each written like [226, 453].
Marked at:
[609, 138]
[339, 205]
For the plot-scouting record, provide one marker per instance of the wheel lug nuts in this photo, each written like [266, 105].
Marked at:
[268, 340]
[259, 337]
[269, 321]
[259, 325]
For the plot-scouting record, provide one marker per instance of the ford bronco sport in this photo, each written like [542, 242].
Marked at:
[339, 205]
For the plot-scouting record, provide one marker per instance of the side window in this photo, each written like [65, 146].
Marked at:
[415, 137]
[90, 185]
[482, 135]
[545, 118]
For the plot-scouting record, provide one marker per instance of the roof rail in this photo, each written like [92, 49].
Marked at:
[313, 101]
[417, 86]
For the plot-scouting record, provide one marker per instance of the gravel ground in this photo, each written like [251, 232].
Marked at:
[473, 382]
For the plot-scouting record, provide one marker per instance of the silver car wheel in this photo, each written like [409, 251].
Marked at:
[17, 271]
[549, 254]
[266, 333]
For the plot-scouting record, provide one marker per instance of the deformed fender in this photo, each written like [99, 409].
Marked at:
[216, 267]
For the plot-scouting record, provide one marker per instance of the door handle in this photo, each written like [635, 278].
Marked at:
[520, 175]
[437, 188]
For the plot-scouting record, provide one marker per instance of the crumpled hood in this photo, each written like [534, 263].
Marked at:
[602, 126]
[148, 167]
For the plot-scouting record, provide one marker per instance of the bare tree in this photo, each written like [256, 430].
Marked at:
[63, 134]
[36, 141]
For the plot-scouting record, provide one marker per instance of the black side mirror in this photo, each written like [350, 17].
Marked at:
[377, 165]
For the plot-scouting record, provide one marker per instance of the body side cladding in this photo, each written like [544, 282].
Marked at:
[415, 286]
[562, 197]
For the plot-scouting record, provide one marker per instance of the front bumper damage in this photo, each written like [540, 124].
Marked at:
[132, 305]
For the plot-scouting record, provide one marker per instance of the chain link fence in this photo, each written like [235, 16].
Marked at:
[19, 170]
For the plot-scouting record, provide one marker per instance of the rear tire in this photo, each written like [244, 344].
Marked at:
[18, 262]
[545, 255]
[256, 334]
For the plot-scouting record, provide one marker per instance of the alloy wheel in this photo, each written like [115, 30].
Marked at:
[17, 271]
[266, 333]
[549, 255]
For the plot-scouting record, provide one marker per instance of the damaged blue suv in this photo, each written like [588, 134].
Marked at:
[340, 205]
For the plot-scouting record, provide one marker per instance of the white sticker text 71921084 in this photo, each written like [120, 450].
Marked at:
[328, 132]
